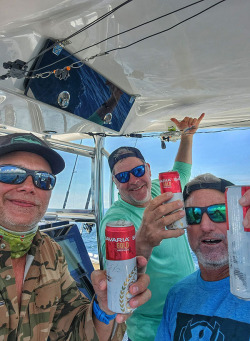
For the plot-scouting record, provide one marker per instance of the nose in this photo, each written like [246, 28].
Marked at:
[27, 185]
[133, 179]
[206, 223]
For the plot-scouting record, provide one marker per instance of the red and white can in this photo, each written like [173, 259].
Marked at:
[120, 264]
[238, 243]
[170, 182]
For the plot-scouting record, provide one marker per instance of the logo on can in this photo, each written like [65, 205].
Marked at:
[170, 182]
[238, 242]
[120, 264]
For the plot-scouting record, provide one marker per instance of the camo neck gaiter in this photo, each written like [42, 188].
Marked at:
[19, 242]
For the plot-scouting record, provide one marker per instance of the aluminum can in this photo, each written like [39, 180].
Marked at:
[120, 264]
[238, 243]
[170, 182]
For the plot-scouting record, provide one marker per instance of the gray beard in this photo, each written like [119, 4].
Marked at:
[211, 263]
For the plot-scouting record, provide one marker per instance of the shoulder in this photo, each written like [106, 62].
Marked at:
[49, 246]
[184, 285]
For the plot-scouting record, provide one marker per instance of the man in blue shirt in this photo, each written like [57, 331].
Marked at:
[201, 307]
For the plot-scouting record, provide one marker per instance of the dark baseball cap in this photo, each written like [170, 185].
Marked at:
[118, 155]
[28, 142]
[219, 186]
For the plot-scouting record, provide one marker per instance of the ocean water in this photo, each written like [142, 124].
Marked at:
[90, 242]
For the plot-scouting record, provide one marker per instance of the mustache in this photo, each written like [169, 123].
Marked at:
[213, 236]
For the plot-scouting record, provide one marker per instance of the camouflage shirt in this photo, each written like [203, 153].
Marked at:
[51, 304]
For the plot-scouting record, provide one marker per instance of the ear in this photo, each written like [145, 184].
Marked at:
[149, 169]
[114, 180]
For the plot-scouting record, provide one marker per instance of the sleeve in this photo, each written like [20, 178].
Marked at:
[73, 310]
[184, 169]
[73, 317]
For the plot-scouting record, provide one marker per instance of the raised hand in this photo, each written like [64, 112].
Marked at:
[188, 125]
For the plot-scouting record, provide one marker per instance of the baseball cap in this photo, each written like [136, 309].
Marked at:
[122, 153]
[28, 142]
[219, 186]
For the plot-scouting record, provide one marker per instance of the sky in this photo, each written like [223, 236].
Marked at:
[225, 154]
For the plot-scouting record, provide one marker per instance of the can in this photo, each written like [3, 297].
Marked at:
[170, 182]
[238, 243]
[120, 264]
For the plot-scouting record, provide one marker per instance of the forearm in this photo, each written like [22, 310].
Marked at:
[185, 149]
[103, 330]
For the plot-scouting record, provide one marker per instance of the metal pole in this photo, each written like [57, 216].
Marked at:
[98, 191]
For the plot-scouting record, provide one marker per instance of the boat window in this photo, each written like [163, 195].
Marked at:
[78, 90]
[73, 185]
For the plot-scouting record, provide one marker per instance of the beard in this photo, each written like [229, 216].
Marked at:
[213, 259]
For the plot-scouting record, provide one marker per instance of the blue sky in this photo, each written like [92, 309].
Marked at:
[225, 154]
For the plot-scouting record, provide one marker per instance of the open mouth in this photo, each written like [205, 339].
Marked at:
[211, 241]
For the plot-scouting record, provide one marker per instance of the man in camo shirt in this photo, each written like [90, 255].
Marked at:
[39, 300]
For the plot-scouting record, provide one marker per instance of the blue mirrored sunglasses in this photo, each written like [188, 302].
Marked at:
[217, 213]
[15, 175]
[124, 177]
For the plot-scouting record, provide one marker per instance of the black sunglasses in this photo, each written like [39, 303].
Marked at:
[217, 213]
[10, 174]
[124, 177]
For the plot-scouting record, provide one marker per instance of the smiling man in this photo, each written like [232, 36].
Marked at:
[140, 202]
[39, 300]
[201, 307]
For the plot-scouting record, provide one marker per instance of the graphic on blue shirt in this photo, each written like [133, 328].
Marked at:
[210, 328]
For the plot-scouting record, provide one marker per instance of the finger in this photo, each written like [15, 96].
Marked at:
[99, 282]
[141, 262]
[159, 200]
[201, 117]
[246, 220]
[166, 234]
[190, 121]
[140, 299]
[166, 208]
[140, 285]
[170, 219]
[245, 199]
[175, 121]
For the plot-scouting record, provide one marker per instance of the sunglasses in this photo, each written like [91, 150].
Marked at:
[217, 213]
[124, 177]
[15, 175]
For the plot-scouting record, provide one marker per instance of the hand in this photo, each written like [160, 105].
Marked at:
[139, 289]
[156, 216]
[245, 201]
[192, 124]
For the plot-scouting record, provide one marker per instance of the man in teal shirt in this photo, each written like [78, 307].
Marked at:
[140, 201]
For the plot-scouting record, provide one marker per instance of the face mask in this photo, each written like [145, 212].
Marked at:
[19, 242]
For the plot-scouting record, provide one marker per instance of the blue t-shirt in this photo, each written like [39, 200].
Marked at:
[197, 310]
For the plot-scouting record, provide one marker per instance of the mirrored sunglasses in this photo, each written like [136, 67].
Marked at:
[216, 213]
[124, 177]
[15, 175]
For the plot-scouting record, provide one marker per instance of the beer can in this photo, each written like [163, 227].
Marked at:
[170, 182]
[238, 243]
[120, 264]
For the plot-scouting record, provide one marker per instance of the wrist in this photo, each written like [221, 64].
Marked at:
[143, 247]
[100, 314]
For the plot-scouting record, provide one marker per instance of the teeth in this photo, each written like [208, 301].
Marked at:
[136, 189]
[213, 241]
